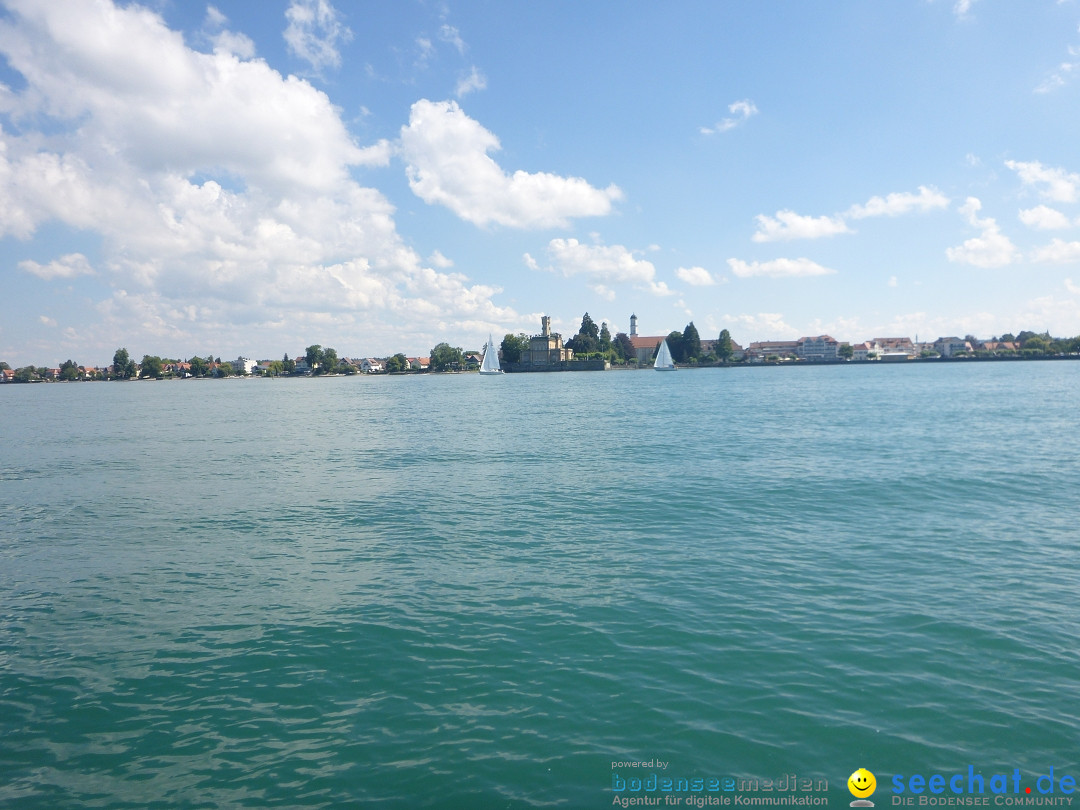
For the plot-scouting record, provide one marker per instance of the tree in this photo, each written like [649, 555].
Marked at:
[123, 366]
[398, 362]
[26, 374]
[151, 366]
[589, 328]
[514, 346]
[691, 342]
[313, 354]
[1008, 337]
[4, 367]
[724, 350]
[624, 349]
[675, 346]
[328, 361]
[69, 371]
[846, 350]
[587, 340]
[288, 365]
[605, 338]
[445, 357]
[199, 367]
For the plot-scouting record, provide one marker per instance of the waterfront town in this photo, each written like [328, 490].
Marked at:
[592, 348]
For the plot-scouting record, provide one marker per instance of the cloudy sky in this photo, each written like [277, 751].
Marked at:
[253, 176]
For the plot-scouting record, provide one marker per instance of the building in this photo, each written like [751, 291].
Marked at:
[644, 345]
[547, 347]
[369, 365]
[764, 349]
[244, 365]
[817, 349]
[949, 346]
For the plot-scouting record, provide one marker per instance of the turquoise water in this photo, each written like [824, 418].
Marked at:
[455, 591]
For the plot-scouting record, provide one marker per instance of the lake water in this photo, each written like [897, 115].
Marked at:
[455, 591]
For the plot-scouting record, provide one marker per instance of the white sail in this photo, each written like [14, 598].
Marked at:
[491, 359]
[663, 358]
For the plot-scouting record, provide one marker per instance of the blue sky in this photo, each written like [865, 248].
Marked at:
[248, 178]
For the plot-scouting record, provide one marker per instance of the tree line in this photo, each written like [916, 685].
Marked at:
[594, 342]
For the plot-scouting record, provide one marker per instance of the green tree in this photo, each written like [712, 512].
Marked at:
[624, 349]
[691, 342]
[313, 355]
[675, 346]
[199, 367]
[1008, 337]
[288, 365]
[69, 371]
[445, 357]
[4, 367]
[26, 374]
[724, 349]
[328, 361]
[151, 366]
[514, 347]
[123, 366]
[397, 363]
[605, 338]
[846, 350]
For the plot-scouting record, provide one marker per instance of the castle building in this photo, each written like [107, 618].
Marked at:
[547, 347]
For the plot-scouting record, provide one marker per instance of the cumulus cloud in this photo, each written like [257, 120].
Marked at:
[221, 192]
[762, 326]
[1053, 184]
[314, 31]
[695, 276]
[778, 268]
[69, 266]
[603, 265]
[1057, 252]
[448, 163]
[787, 225]
[741, 112]
[1044, 218]
[899, 203]
[990, 249]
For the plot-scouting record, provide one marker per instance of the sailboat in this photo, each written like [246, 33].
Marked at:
[491, 359]
[663, 358]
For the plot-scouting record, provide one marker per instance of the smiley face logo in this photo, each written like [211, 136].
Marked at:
[862, 783]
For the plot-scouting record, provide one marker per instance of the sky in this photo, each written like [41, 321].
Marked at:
[250, 177]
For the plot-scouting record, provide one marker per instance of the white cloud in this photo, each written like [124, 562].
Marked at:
[449, 33]
[1044, 218]
[69, 266]
[314, 31]
[611, 263]
[788, 225]
[899, 203]
[448, 163]
[741, 112]
[695, 276]
[474, 81]
[1054, 184]
[962, 7]
[778, 268]
[225, 41]
[220, 191]
[990, 249]
[761, 326]
[893, 281]
[1071, 287]
[438, 260]
[46, 320]
[1063, 74]
[1057, 252]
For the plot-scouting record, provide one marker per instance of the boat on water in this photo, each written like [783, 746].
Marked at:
[663, 360]
[491, 359]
